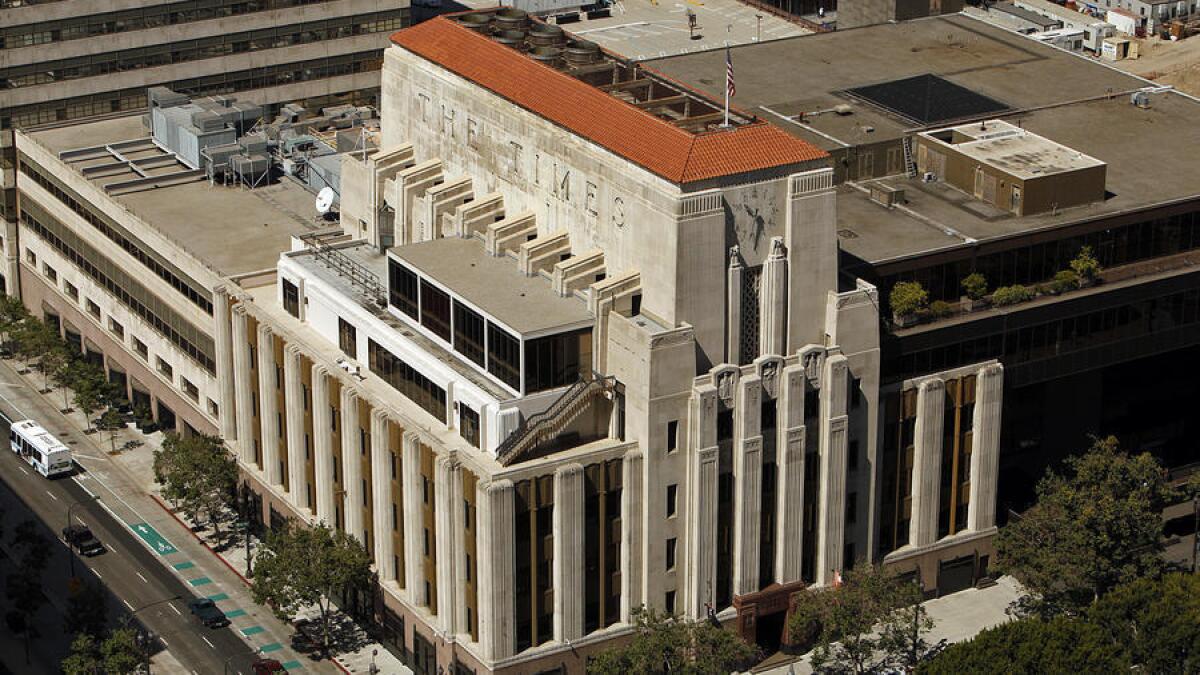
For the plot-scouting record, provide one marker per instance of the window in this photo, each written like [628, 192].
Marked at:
[851, 511]
[348, 338]
[165, 368]
[71, 291]
[50, 273]
[557, 360]
[116, 328]
[435, 310]
[669, 603]
[671, 553]
[189, 389]
[468, 333]
[402, 289]
[504, 356]
[140, 349]
[672, 435]
[30, 257]
[407, 380]
[468, 424]
[291, 298]
[672, 497]
[855, 392]
[93, 309]
[852, 456]
[213, 408]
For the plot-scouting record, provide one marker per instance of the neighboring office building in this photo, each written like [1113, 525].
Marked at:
[1020, 19]
[66, 60]
[749, 421]
[1149, 16]
[1094, 29]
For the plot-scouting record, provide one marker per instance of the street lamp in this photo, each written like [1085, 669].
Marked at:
[71, 553]
[144, 637]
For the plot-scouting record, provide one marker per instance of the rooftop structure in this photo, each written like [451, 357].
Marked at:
[631, 110]
[1013, 150]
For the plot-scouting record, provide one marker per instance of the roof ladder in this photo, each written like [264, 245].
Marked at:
[910, 166]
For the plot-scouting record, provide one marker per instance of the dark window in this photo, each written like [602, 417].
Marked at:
[671, 553]
[402, 289]
[672, 499]
[468, 425]
[672, 435]
[348, 338]
[504, 356]
[556, 360]
[435, 310]
[291, 298]
[418, 388]
[468, 333]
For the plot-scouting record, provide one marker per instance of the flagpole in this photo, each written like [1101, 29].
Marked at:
[728, 28]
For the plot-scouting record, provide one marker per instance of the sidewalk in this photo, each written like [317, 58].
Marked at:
[129, 476]
[956, 617]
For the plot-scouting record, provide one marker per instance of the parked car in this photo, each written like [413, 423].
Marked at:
[81, 539]
[209, 614]
[267, 666]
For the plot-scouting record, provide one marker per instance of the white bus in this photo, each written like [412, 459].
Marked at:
[45, 453]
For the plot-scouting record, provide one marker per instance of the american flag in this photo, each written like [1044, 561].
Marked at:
[729, 86]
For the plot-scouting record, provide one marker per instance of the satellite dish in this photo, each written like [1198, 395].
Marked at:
[324, 200]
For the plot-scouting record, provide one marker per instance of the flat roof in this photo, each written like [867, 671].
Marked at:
[526, 305]
[1024, 14]
[232, 230]
[1066, 98]
[1017, 151]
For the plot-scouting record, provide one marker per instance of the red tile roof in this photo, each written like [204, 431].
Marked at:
[638, 136]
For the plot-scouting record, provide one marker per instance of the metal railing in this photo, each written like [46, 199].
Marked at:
[343, 265]
[531, 430]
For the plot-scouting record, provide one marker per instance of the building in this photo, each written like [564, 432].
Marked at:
[1021, 19]
[576, 346]
[859, 13]
[1094, 29]
[63, 61]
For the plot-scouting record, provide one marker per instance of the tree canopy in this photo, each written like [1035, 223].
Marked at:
[663, 643]
[1032, 645]
[198, 474]
[303, 566]
[1094, 526]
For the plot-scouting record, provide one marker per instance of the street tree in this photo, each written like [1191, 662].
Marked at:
[84, 658]
[1062, 644]
[87, 608]
[1155, 621]
[858, 625]
[663, 643]
[121, 652]
[1095, 525]
[198, 475]
[112, 421]
[23, 588]
[40, 345]
[92, 389]
[303, 566]
[12, 316]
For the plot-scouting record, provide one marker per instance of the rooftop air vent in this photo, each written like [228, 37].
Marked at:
[510, 18]
[511, 38]
[546, 35]
[550, 56]
[475, 21]
[581, 53]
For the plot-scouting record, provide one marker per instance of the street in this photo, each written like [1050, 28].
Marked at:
[128, 569]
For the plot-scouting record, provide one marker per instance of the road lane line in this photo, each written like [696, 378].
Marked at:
[96, 572]
[176, 609]
[141, 577]
[127, 604]
[164, 641]
[51, 495]
[206, 641]
[23, 470]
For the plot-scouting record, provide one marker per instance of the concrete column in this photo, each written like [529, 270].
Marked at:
[985, 448]
[268, 406]
[747, 491]
[447, 478]
[831, 533]
[631, 533]
[414, 521]
[226, 398]
[243, 387]
[789, 511]
[497, 568]
[352, 466]
[293, 391]
[381, 493]
[772, 305]
[323, 445]
[927, 463]
[702, 503]
[12, 256]
[568, 553]
[733, 319]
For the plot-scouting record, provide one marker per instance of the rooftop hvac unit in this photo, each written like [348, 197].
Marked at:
[476, 22]
[550, 56]
[510, 18]
[546, 35]
[1140, 99]
[581, 53]
[886, 194]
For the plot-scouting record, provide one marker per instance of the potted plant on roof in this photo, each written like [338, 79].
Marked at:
[908, 299]
[975, 287]
[1086, 267]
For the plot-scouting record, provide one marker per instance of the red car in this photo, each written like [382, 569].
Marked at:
[268, 666]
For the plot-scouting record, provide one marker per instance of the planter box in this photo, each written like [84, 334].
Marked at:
[906, 321]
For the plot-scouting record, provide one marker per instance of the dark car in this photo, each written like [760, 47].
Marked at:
[82, 540]
[267, 666]
[209, 614]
